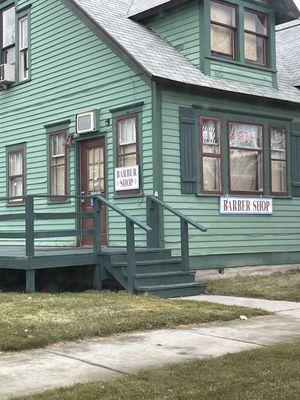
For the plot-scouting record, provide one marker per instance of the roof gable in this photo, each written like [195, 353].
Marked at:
[159, 61]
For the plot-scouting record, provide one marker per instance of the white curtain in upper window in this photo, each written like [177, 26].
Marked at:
[127, 131]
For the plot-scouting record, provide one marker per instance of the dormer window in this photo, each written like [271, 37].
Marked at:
[223, 29]
[256, 38]
[8, 35]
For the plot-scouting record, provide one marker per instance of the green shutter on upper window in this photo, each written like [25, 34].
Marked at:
[296, 159]
[188, 152]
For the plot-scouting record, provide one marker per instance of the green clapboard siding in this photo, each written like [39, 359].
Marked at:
[181, 28]
[226, 234]
[241, 73]
[73, 70]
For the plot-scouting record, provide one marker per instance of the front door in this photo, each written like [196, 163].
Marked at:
[92, 177]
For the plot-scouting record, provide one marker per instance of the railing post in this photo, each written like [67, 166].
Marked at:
[97, 225]
[152, 221]
[29, 225]
[131, 263]
[184, 232]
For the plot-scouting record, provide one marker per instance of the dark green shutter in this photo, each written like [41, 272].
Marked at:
[188, 150]
[296, 159]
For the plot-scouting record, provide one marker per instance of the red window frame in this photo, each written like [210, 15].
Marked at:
[261, 151]
[281, 160]
[204, 154]
[233, 28]
[257, 34]
[15, 150]
[119, 155]
[52, 167]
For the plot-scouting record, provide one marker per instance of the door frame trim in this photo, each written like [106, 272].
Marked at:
[77, 171]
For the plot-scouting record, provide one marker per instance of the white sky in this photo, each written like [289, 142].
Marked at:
[298, 3]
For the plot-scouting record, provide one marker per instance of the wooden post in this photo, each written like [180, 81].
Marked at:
[131, 263]
[30, 281]
[184, 231]
[97, 225]
[153, 223]
[29, 225]
[97, 281]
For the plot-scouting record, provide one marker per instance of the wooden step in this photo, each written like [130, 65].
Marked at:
[177, 290]
[163, 278]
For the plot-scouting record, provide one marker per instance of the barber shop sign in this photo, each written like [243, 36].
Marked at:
[246, 205]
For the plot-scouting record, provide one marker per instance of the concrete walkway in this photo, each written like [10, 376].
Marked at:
[65, 364]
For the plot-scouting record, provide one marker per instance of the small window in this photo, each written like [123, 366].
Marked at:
[58, 164]
[210, 145]
[256, 38]
[223, 30]
[8, 35]
[127, 148]
[245, 158]
[278, 161]
[15, 174]
[23, 49]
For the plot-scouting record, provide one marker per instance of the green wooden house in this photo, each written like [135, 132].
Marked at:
[149, 138]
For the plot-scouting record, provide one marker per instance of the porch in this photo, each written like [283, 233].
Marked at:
[136, 269]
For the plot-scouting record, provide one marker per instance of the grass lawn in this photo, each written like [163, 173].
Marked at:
[262, 374]
[278, 286]
[30, 321]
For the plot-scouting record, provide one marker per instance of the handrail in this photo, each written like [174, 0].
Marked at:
[130, 237]
[153, 237]
[30, 216]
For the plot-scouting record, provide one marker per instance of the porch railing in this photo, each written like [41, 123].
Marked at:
[30, 233]
[153, 206]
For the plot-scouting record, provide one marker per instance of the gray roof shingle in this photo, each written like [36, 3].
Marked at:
[161, 60]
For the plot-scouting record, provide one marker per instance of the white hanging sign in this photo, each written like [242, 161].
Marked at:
[127, 178]
[246, 205]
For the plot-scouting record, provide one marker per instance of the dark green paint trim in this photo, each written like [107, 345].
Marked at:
[6, 3]
[157, 155]
[23, 8]
[60, 124]
[216, 261]
[126, 107]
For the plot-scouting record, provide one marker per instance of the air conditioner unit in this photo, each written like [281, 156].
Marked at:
[7, 74]
[86, 122]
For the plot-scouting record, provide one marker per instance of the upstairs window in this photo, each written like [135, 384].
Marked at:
[8, 35]
[223, 29]
[256, 38]
[23, 48]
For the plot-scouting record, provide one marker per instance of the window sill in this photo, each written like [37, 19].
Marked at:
[16, 204]
[242, 64]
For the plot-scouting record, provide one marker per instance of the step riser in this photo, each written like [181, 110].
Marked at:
[164, 280]
[143, 256]
[148, 269]
[178, 292]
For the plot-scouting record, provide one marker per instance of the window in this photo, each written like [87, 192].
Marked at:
[8, 35]
[223, 29]
[245, 158]
[23, 48]
[210, 146]
[127, 150]
[278, 143]
[15, 173]
[58, 164]
[256, 38]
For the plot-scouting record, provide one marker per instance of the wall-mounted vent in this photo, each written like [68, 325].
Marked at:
[7, 74]
[86, 122]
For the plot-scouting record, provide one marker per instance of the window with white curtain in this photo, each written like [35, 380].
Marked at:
[127, 149]
[23, 48]
[15, 173]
